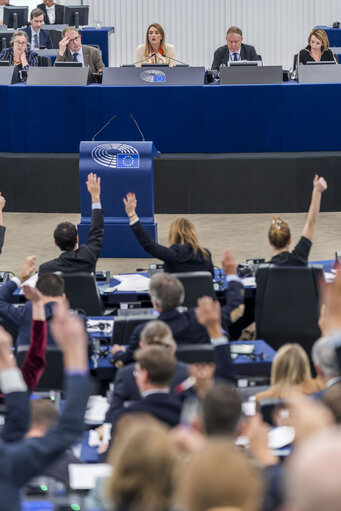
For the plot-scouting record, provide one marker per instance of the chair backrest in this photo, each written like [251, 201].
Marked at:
[82, 292]
[192, 353]
[125, 325]
[287, 304]
[295, 61]
[44, 61]
[196, 284]
[53, 375]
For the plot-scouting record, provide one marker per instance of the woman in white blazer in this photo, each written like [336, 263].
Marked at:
[155, 50]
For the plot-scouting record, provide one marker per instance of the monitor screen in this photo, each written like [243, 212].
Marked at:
[155, 65]
[68, 64]
[75, 15]
[321, 63]
[232, 63]
[15, 17]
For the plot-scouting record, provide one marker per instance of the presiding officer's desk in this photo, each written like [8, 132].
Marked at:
[195, 119]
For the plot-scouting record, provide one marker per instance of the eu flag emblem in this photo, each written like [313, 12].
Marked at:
[131, 161]
[159, 78]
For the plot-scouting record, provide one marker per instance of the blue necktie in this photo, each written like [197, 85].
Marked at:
[235, 56]
[74, 57]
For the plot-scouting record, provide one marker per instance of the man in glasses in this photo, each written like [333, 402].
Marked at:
[71, 49]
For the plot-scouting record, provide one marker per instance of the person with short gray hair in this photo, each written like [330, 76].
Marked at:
[325, 361]
[167, 291]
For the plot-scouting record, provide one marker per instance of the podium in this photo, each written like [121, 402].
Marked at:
[123, 167]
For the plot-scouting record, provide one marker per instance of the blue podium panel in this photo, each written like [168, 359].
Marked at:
[123, 167]
[334, 34]
[100, 36]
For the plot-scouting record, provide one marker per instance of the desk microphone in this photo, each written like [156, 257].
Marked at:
[138, 127]
[144, 60]
[107, 124]
[176, 60]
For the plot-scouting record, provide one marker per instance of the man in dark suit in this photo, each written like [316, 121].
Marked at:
[155, 333]
[53, 13]
[167, 293]
[51, 287]
[71, 49]
[234, 49]
[155, 367]
[37, 36]
[72, 257]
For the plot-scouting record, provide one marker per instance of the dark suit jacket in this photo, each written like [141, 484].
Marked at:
[126, 389]
[92, 58]
[221, 55]
[177, 258]
[163, 406]
[83, 259]
[59, 10]
[21, 461]
[21, 317]
[184, 325]
[44, 37]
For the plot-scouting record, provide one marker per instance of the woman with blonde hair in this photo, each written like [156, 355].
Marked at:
[145, 465]
[290, 370]
[155, 50]
[280, 236]
[317, 50]
[184, 252]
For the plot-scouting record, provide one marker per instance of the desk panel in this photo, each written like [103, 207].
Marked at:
[179, 119]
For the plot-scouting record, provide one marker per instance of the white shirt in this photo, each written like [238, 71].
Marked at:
[51, 14]
[231, 56]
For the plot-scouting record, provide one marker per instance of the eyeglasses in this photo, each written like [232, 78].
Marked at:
[22, 43]
[74, 39]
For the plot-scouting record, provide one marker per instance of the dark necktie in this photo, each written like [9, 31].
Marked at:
[235, 56]
[74, 57]
[36, 41]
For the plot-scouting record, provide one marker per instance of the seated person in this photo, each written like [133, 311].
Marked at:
[50, 286]
[155, 333]
[290, 370]
[317, 50]
[155, 367]
[44, 415]
[2, 227]
[74, 258]
[155, 50]
[234, 49]
[53, 13]
[167, 293]
[71, 49]
[184, 252]
[19, 55]
[280, 236]
[23, 460]
[37, 36]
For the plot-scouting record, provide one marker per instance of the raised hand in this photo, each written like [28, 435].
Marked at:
[228, 263]
[2, 202]
[6, 357]
[130, 204]
[320, 184]
[94, 187]
[28, 269]
[63, 45]
[32, 294]
[208, 315]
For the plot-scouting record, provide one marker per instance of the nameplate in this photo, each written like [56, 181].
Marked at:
[153, 76]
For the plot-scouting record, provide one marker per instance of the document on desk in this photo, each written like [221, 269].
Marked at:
[132, 282]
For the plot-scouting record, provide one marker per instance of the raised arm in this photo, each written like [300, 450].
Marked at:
[319, 186]
[35, 360]
[14, 388]
[2, 228]
[167, 254]
[96, 231]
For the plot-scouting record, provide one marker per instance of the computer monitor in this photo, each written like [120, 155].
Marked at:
[318, 63]
[158, 64]
[232, 63]
[4, 63]
[75, 15]
[15, 17]
[68, 64]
